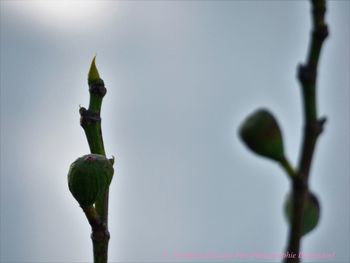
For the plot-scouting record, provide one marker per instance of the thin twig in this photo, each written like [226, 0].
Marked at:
[313, 126]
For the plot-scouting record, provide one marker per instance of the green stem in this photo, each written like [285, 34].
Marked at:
[92, 216]
[312, 128]
[288, 168]
[91, 122]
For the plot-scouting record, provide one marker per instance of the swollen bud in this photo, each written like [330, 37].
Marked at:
[261, 133]
[89, 177]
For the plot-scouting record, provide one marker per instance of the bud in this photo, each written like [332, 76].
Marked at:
[93, 75]
[260, 132]
[89, 177]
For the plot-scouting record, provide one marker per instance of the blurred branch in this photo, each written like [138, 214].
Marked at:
[313, 126]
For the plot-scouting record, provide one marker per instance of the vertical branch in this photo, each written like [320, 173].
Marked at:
[91, 123]
[307, 75]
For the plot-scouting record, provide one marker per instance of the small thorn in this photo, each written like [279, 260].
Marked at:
[112, 160]
[322, 120]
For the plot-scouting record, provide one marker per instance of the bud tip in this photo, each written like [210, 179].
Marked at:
[93, 72]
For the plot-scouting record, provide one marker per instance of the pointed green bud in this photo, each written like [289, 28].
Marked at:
[311, 214]
[261, 133]
[89, 177]
[94, 76]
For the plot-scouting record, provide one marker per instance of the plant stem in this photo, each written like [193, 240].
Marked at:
[288, 168]
[313, 126]
[97, 216]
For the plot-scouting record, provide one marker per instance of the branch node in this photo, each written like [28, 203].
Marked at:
[97, 236]
[320, 124]
[321, 32]
[88, 117]
[299, 183]
[107, 235]
[98, 89]
[316, 127]
[322, 120]
[306, 74]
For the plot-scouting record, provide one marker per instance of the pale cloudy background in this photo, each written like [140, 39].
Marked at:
[181, 76]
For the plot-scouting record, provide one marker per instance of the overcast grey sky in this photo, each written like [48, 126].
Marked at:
[181, 76]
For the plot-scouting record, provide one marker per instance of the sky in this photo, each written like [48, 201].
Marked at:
[181, 76]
